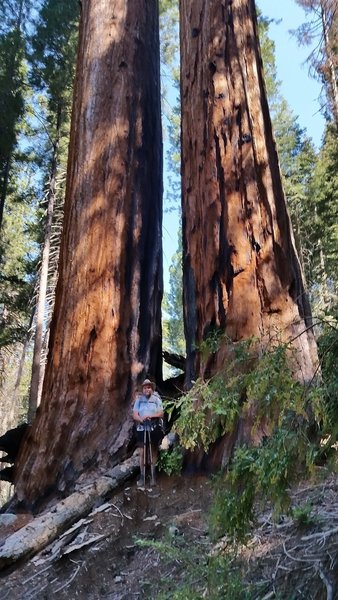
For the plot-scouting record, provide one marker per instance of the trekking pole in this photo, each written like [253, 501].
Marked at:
[144, 455]
[151, 460]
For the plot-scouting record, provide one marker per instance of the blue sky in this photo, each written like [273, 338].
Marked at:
[300, 91]
[297, 87]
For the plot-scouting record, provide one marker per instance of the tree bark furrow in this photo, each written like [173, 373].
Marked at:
[106, 328]
[238, 249]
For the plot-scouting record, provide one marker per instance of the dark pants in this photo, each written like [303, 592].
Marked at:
[155, 436]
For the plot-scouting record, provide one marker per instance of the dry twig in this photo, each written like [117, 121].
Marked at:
[69, 580]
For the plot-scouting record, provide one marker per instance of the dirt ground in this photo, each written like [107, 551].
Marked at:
[115, 566]
[104, 556]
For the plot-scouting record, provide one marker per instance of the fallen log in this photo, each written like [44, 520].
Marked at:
[34, 536]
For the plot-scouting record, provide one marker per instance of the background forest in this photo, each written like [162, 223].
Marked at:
[38, 46]
[244, 405]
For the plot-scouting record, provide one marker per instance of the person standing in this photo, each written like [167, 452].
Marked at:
[147, 411]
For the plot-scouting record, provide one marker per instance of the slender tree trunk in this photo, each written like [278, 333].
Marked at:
[241, 273]
[106, 328]
[41, 303]
[4, 188]
[23, 358]
[323, 291]
[323, 288]
[332, 70]
[299, 244]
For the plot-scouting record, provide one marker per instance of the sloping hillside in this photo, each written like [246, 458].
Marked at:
[106, 553]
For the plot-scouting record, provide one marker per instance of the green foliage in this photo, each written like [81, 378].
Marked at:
[170, 461]
[39, 68]
[202, 576]
[264, 384]
[328, 354]
[207, 411]
[53, 59]
[232, 511]
[269, 60]
[169, 20]
[18, 248]
[272, 389]
[171, 110]
[13, 80]
[53, 54]
[12, 92]
[302, 516]
[324, 230]
[173, 327]
[225, 581]
[261, 390]
[296, 155]
[319, 31]
[310, 180]
[263, 472]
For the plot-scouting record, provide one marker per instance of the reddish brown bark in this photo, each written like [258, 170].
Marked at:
[106, 329]
[241, 271]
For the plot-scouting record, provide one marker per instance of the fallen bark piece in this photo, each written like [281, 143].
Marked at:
[43, 529]
[74, 547]
[53, 551]
[76, 526]
[101, 508]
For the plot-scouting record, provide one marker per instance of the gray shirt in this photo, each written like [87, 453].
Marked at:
[146, 407]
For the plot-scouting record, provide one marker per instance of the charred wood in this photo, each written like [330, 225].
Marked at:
[10, 442]
[174, 360]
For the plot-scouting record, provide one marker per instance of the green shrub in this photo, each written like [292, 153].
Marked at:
[198, 574]
[263, 386]
[170, 461]
[262, 473]
[302, 516]
[263, 383]
[328, 353]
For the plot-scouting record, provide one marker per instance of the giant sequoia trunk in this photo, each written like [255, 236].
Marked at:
[106, 328]
[241, 272]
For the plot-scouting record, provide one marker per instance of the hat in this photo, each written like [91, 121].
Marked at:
[148, 382]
